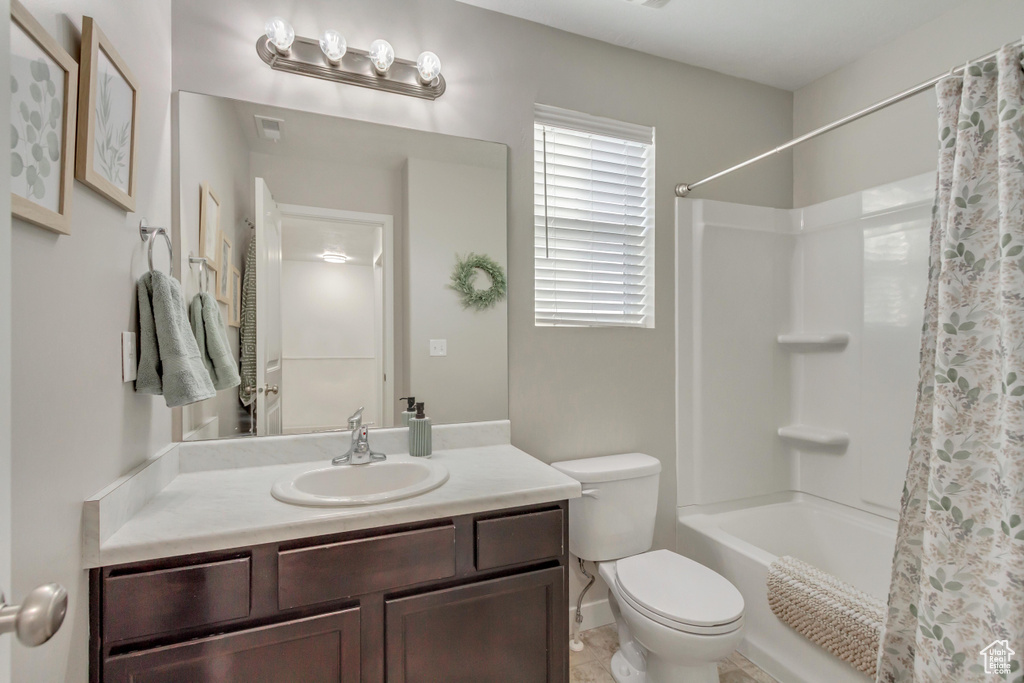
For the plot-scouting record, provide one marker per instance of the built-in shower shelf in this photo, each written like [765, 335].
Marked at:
[814, 341]
[814, 435]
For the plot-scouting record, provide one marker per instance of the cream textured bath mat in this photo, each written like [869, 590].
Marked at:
[840, 618]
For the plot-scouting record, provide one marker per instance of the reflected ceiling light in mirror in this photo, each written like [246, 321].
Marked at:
[429, 66]
[334, 257]
[333, 46]
[280, 34]
[331, 59]
[382, 55]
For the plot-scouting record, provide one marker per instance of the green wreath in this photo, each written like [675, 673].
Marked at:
[464, 274]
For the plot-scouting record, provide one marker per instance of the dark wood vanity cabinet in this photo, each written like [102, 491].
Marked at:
[471, 599]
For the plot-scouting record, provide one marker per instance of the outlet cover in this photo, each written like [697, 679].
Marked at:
[129, 364]
[438, 347]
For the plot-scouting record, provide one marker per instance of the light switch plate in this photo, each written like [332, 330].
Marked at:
[129, 365]
[438, 347]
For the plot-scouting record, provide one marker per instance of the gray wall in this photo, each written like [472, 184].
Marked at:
[213, 150]
[76, 426]
[572, 392]
[898, 142]
[455, 204]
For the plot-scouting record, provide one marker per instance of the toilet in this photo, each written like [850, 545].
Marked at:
[676, 618]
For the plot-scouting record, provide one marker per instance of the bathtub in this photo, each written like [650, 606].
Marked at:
[740, 539]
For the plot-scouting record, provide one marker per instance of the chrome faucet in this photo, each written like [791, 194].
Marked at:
[359, 453]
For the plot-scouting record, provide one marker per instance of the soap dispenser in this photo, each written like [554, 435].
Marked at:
[419, 434]
[410, 410]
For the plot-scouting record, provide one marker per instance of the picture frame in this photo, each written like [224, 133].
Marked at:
[224, 273]
[108, 98]
[44, 99]
[235, 309]
[209, 226]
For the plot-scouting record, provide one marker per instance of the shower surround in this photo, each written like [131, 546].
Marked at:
[853, 271]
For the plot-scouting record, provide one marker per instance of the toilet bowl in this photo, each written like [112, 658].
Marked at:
[676, 618]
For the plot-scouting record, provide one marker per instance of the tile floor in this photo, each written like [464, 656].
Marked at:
[592, 665]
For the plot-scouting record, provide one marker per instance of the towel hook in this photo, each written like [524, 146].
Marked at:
[150, 233]
[204, 272]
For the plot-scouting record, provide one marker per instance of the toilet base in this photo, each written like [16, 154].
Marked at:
[661, 672]
[624, 672]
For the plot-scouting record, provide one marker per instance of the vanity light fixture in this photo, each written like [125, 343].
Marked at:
[334, 257]
[330, 58]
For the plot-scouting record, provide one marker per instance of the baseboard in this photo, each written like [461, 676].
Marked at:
[595, 614]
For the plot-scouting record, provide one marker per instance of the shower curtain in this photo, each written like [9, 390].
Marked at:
[956, 603]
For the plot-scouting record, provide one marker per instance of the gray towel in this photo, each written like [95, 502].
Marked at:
[212, 338]
[247, 333]
[169, 361]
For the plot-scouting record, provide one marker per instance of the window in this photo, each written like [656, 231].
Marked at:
[593, 184]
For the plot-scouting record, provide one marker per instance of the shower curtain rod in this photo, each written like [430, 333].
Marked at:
[683, 189]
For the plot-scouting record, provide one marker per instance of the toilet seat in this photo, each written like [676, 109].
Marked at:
[679, 593]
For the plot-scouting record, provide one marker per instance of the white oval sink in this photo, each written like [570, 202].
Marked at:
[378, 482]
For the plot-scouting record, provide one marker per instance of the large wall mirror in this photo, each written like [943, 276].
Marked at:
[330, 245]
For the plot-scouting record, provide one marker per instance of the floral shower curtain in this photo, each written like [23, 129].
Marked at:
[956, 604]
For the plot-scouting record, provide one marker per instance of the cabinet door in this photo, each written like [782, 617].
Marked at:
[508, 630]
[322, 649]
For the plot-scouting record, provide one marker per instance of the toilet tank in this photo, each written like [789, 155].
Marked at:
[615, 516]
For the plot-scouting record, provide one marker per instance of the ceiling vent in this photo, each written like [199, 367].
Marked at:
[269, 128]
[654, 4]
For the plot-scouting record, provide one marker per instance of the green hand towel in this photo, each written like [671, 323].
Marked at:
[212, 338]
[169, 361]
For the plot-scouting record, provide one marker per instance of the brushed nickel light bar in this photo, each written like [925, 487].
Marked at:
[683, 189]
[330, 59]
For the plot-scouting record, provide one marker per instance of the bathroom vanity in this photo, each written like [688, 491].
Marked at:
[467, 582]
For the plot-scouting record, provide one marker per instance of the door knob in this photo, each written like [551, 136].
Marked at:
[38, 618]
[272, 389]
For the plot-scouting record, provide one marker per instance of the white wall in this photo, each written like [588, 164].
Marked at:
[455, 209]
[76, 427]
[898, 142]
[857, 264]
[736, 263]
[328, 344]
[212, 149]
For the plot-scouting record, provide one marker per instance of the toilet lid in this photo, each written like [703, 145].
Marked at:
[682, 592]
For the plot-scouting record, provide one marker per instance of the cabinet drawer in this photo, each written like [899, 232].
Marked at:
[502, 541]
[148, 603]
[323, 573]
[323, 649]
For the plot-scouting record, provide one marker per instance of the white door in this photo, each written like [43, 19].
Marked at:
[268, 312]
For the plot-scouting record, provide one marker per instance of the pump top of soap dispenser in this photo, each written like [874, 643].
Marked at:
[411, 401]
[419, 411]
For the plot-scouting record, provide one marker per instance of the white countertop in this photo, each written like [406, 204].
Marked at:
[201, 511]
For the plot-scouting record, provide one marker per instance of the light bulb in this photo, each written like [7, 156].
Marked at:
[381, 55]
[334, 46]
[429, 66]
[281, 34]
[334, 257]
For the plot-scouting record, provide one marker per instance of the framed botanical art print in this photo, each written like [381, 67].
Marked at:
[209, 226]
[235, 312]
[108, 99]
[224, 274]
[44, 92]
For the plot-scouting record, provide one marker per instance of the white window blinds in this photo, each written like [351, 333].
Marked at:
[593, 220]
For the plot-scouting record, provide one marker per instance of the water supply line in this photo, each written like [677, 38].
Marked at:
[575, 644]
